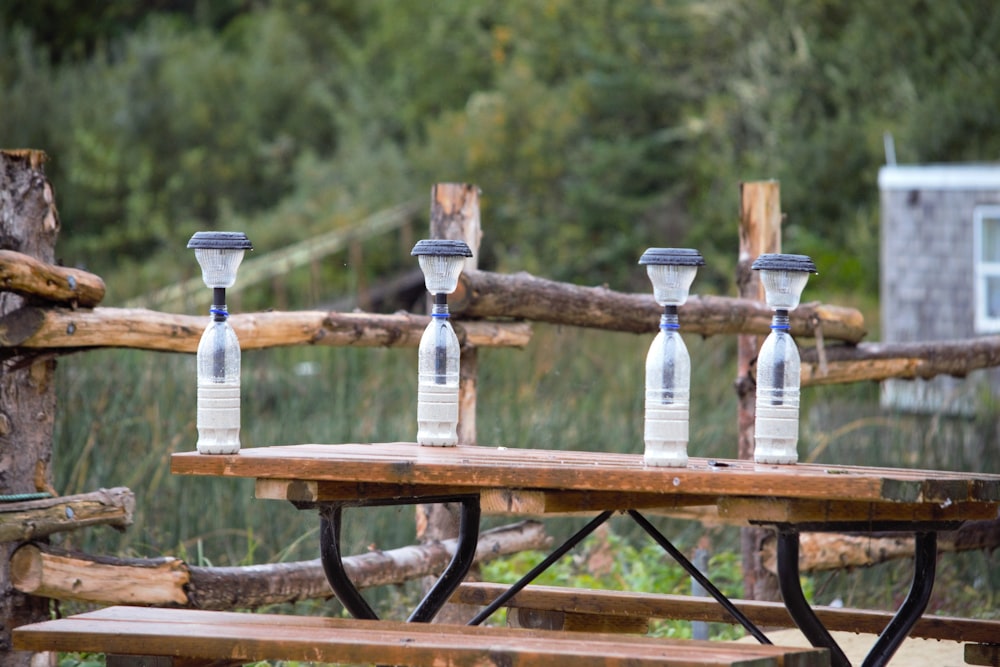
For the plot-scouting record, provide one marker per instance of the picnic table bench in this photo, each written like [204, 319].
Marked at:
[133, 636]
[586, 610]
[332, 478]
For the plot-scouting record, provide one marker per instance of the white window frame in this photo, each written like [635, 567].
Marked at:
[984, 270]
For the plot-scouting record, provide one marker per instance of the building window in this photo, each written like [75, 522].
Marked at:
[987, 265]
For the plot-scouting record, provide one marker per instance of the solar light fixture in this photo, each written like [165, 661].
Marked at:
[776, 426]
[668, 364]
[219, 254]
[438, 355]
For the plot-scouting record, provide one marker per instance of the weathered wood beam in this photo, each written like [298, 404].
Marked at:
[27, 276]
[524, 296]
[34, 519]
[48, 328]
[46, 572]
[836, 364]
[832, 551]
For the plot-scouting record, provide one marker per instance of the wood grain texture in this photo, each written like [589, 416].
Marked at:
[909, 361]
[522, 295]
[480, 467]
[27, 276]
[47, 328]
[235, 636]
[52, 573]
[692, 608]
[38, 518]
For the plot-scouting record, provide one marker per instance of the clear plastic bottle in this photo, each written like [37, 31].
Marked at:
[776, 430]
[219, 387]
[668, 381]
[437, 385]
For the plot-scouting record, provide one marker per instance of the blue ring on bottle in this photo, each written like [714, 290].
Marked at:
[670, 326]
[440, 315]
[218, 311]
[781, 327]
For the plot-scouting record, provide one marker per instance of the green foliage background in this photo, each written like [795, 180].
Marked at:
[595, 128]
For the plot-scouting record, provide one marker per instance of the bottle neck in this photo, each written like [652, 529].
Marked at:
[780, 320]
[218, 309]
[440, 307]
[669, 320]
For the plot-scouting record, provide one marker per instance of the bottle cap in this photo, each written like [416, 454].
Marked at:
[672, 256]
[783, 262]
[220, 241]
[442, 247]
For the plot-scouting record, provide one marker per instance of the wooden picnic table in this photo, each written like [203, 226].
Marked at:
[791, 498]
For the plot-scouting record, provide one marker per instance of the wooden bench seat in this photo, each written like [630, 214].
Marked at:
[190, 638]
[557, 608]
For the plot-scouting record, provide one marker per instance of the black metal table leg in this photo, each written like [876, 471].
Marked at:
[333, 563]
[465, 555]
[924, 569]
[332, 558]
[925, 564]
[795, 599]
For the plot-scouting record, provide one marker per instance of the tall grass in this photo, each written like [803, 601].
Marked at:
[122, 413]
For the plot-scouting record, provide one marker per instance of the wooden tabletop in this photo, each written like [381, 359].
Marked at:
[522, 480]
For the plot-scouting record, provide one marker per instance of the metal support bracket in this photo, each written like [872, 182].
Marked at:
[332, 557]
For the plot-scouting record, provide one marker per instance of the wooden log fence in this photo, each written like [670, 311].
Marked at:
[61, 575]
[819, 552]
[483, 294]
[35, 519]
[55, 311]
[62, 330]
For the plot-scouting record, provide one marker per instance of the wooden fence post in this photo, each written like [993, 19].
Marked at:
[455, 216]
[28, 224]
[760, 232]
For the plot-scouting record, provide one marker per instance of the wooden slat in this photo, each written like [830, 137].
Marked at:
[547, 470]
[691, 608]
[534, 502]
[331, 491]
[236, 636]
[785, 510]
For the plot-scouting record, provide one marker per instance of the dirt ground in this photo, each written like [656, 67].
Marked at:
[913, 652]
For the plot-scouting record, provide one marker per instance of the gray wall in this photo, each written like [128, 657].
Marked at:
[927, 279]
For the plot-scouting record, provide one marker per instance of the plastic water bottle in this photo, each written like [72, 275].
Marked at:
[668, 380]
[668, 364]
[219, 387]
[437, 385]
[776, 430]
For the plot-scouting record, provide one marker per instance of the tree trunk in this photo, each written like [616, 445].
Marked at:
[760, 232]
[29, 224]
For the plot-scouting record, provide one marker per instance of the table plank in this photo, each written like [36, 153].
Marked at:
[786, 510]
[493, 501]
[243, 636]
[480, 467]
